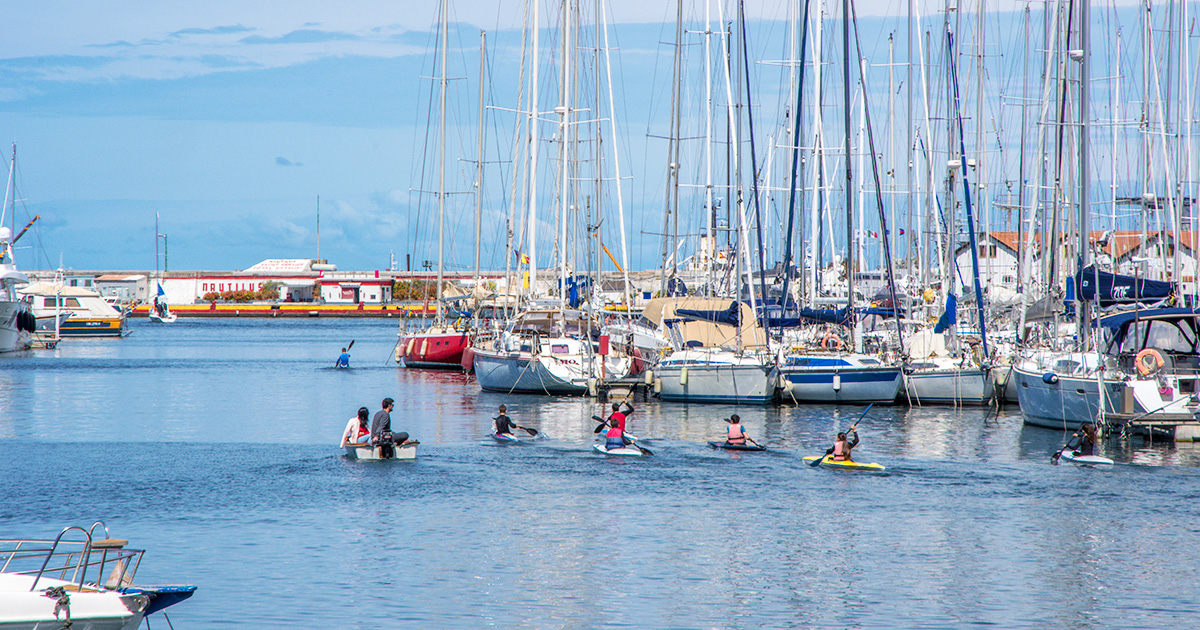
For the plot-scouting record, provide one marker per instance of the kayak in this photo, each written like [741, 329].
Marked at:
[1093, 460]
[507, 438]
[628, 450]
[860, 466]
[737, 447]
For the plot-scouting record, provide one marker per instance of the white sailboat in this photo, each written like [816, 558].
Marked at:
[16, 322]
[160, 311]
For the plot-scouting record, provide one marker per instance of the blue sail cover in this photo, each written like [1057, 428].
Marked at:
[949, 317]
[806, 316]
[728, 316]
[1119, 289]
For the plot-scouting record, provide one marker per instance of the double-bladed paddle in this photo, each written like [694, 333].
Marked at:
[817, 461]
[532, 432]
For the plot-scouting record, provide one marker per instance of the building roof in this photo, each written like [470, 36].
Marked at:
[116, 277]
[1120, 244]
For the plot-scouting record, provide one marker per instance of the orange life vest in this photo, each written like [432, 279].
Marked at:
[736, 435]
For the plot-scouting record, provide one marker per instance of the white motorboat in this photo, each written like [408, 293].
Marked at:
[88, 314]
[84, 583]
[16, 322]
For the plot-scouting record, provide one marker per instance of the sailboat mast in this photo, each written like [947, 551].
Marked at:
[442, 165]
[564, 139]
[1085, 89]
[849, 190]
[479, 164]
[534, 103]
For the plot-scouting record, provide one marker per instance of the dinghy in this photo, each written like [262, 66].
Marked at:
[407, 450]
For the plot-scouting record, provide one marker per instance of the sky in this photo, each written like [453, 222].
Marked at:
[224, 121]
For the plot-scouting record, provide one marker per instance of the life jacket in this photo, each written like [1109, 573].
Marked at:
[841, 451]
[620, 417]
[736, 435]
[615, 438]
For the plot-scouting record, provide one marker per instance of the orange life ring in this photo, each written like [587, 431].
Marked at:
[831, 340]
[1156, 363]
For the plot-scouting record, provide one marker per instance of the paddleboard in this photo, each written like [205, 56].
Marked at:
[628, 450]
[1093, 460]
[737, 447]
[826, 462]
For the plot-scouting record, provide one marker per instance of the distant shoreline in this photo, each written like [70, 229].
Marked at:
[293, 309]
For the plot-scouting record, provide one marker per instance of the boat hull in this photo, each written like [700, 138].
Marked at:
[12, 338]
[736, 447]
[22, 609]
[1085, 460]
[627, 451]
[1066, 404]
[407, 451]
[519, 372]
[716, 381]
[439, 350]
[950, 386]
[86, 327]
[878, 385]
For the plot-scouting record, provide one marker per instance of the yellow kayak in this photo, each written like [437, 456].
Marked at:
[827, 462]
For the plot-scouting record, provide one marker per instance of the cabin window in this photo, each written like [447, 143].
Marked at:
[66, 302]
[558, 348]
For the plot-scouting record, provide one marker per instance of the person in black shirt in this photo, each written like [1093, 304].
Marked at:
[382, 422]
[504, 424]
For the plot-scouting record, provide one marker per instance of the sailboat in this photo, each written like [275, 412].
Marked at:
[160, 311]
[17, 323]
[441, 345]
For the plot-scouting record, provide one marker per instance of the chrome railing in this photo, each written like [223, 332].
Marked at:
[72, 560]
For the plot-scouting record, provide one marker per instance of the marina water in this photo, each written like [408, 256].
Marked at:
[213, 444]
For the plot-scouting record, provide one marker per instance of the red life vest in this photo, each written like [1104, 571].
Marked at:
[736, 435]
[614, 432]
[620, 418]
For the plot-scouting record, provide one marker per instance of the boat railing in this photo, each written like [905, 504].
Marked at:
[106, 559]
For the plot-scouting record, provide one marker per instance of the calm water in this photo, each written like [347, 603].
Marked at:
[213, 444]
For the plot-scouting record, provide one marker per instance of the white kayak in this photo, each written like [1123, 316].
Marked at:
[627, 450]
[408, 450]
[1092, 460]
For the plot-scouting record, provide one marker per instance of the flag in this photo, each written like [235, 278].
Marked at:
[523, 258]
[901, 231]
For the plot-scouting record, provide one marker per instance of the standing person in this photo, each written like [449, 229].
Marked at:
[343, 360]
[382, 423]
[619, 415]
[843, 445]
[504, 424]
[357, 431]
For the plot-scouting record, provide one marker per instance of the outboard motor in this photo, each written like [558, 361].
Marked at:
[387, 445]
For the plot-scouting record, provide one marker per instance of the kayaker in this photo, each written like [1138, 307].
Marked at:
[1087, 440]
[843, 445]
[357, 431]
[382, 423]
[615, 438]
[343, 360]
[504, 424]
[736, 435]
[620, 415]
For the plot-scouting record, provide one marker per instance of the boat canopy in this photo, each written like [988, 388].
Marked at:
[808, 316]
[1174, 330]
[1118, 289]
[728, 316]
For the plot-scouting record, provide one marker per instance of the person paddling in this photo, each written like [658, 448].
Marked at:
[843, 445]
[615, 438]
[357, 431]
[1087, 440]
[735, 433]
[343, 360]
[620, 415]
[504, 424]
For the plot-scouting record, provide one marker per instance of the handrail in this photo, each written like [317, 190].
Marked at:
[87, 549]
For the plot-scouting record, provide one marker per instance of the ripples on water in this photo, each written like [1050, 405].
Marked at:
[212, 443]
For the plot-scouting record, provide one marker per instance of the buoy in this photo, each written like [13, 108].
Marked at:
[649, 377]
[837, 382]
[683, 376]
[424, 347]
[658, 386]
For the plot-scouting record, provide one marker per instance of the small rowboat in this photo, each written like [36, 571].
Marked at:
[826, 462]
[737, 447]
[627, 450]
[408, 450]
[1085, 460]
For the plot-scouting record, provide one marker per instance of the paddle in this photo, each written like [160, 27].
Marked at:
[335, 363]
[1058, 454]
[747, 437]
[817, 461]
[602, 421]
[532, 432]
[641, 448]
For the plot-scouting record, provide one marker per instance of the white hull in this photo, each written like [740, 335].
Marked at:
[12, 338]
[22, 609]
[1086, 460]
[716, 376]
[408, 451]
[522, 372]
[627, 451]
[949, 386]
[162, 319]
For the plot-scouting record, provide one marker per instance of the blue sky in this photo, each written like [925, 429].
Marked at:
[229, 118]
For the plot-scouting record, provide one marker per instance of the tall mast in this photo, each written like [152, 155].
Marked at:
[709, 210]
[442, 165]
[671, 198]
[534, 103]
[479, 164]
[564, 139]
[1085, 90]
[849, 191]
